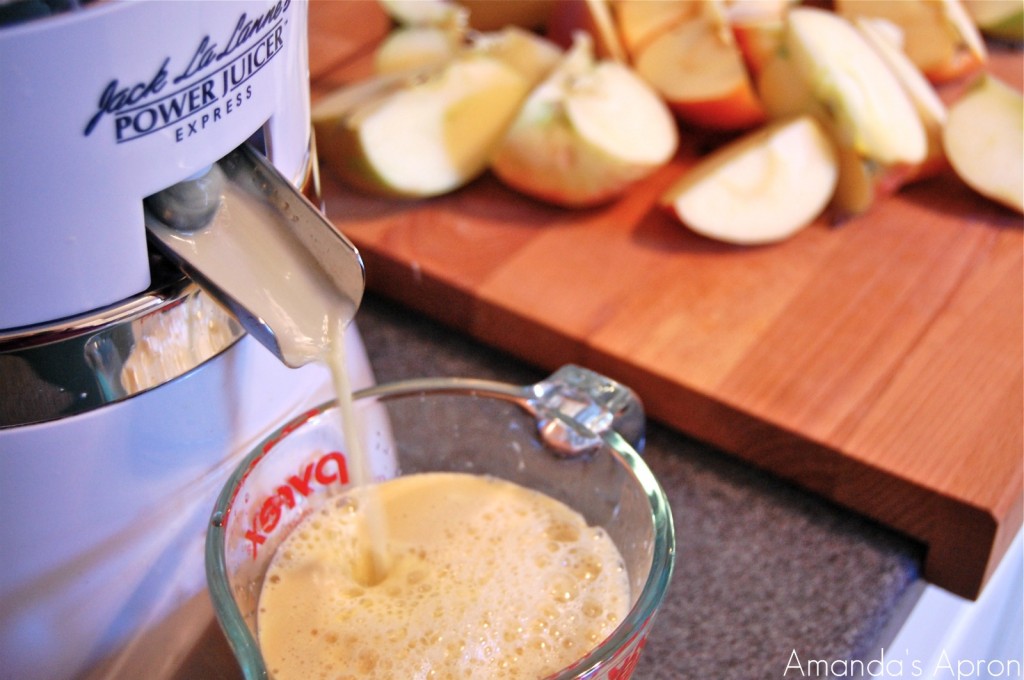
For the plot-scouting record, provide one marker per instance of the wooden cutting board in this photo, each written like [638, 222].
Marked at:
[877, 363]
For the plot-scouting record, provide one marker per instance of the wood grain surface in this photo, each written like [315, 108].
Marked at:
[877, 362]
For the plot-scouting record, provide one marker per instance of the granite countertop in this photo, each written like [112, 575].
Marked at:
[764, 570]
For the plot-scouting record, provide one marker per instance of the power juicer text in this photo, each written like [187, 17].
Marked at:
[142, 109]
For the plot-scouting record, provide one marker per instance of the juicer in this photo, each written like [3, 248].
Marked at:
[143, 144]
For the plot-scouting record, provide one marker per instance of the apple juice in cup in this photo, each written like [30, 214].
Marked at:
[486, 579]
[522, 528]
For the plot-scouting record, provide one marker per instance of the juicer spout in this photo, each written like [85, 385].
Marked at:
[258, 246]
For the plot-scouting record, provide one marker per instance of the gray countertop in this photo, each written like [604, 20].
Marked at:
[766, 575]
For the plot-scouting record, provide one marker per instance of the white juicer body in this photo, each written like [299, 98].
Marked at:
[112, 103]
[103, 515]
[104, 502]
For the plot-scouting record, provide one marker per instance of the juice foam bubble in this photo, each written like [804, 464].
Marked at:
[486, 579]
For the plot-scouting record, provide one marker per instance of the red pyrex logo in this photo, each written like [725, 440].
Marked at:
[624, 671]
[329, 469]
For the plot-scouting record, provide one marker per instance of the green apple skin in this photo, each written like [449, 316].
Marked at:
[420, 135]
[984, 141]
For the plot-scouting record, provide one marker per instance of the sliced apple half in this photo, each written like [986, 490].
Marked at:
[762, 188]
[699, 70]
[940, 37]
[419, 135]
[984, 141]
[587, 133]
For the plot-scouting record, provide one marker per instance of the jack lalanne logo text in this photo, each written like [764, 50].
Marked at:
[211, 85]
[888, 665]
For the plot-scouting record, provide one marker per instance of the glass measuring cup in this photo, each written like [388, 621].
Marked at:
[568, 437]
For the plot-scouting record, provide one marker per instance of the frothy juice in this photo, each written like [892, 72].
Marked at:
[485, 579]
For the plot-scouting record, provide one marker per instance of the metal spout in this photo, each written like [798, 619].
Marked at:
[259, 247]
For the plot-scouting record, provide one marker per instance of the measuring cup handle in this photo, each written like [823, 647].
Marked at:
[576, 407]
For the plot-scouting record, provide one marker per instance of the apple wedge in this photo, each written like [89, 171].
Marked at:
[422, 134]
[863, 182]
[984, 141]
[639, 21]
[413, 47]
[762, 188]
[939, 35]
[586, 134]
[867, 106]
[699, 70]
[930, 108]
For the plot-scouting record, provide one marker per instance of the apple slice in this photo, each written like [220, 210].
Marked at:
[883, 37]
[587, 133]
[984, 141]
[1000, 19]
[698, 69]
[762, 188]
[862, 181]
[867, 106]
[414, 47]
[423, 134]
[940, 37]
[639, 21]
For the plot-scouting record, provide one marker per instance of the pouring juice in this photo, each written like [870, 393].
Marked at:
[516, 536]
[436, 575]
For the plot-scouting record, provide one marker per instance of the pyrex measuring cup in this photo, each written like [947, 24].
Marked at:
[568, 437]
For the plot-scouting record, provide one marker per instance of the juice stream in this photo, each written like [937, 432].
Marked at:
[372, 564]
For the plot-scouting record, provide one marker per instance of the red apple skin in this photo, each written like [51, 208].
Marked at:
[964, 64]
[757, 41]
[740, 110]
